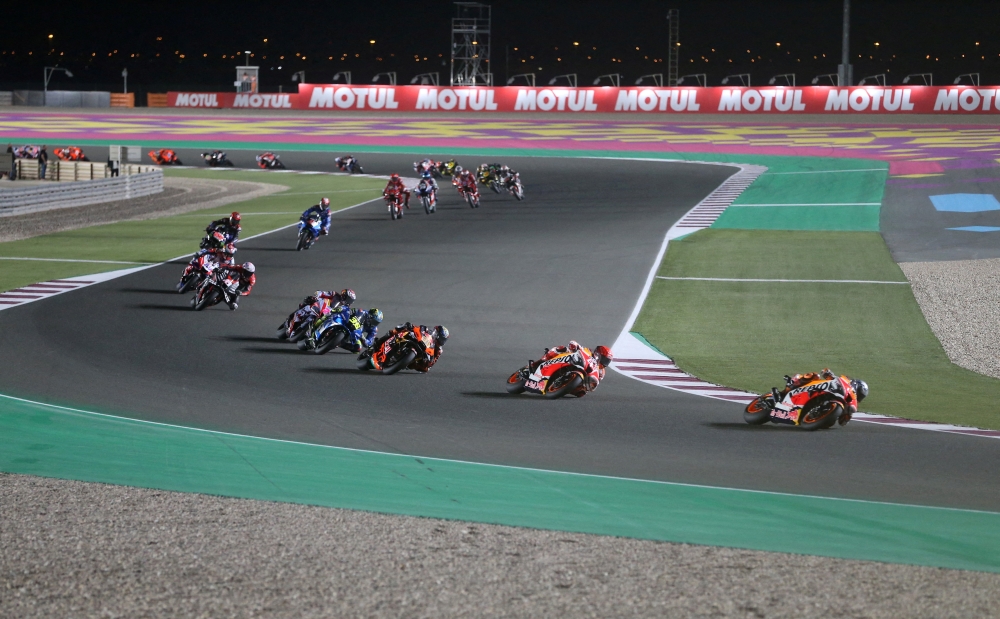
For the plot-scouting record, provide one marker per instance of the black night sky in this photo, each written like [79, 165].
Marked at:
[196, 45]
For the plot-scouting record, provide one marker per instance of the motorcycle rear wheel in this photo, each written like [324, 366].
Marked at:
[364, 363]
[820, 414]
[298, 333]
[757, 412]
[515, 384]
[401, 363]
[282, 333]
[564, 383]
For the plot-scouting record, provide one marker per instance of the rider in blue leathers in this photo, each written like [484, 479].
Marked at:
[369, 320]
[431, 187]
[323, 209]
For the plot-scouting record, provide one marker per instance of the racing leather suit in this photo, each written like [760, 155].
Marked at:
[432, 188]
[369, 330]
[208, 259]
[226, 227]
[595, 371]
[313, 306]
[466, 181]
[324, 216]
[424, 362]
[397, 187]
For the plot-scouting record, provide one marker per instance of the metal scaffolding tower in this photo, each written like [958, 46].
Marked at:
[673, 52]
[470, 45]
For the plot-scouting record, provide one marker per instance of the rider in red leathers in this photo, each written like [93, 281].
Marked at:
[247, 278]
[314, 304]
[465, 180]
[395, 186]
[209, 259]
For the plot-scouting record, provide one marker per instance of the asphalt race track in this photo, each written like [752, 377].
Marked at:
[507, 279]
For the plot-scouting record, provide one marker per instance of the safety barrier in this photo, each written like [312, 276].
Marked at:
[6, 98]
[123, 99]
[28, 170]
[62, 195]
[156, 99]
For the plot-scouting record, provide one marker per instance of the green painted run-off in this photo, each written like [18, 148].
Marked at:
[39, 439]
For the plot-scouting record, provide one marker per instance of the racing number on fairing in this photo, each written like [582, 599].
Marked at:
[355, 323]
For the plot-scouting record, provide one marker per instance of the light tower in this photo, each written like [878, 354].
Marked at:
[673, 41]
[470, 45]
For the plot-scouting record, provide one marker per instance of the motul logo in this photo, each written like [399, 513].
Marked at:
[649, 100]
[265, 101]
[196, 99]
[968, 99]
[559, 99]
[764, 99]
[347, 97]
[462, 98]
[869, 100]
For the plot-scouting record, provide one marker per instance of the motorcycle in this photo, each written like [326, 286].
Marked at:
[334, 328]
[206, 264]
[566, 373]
[71, 153]
[513, 184]
[269, 161]
[447, 168]
[27, 152]
[210, 242]
[395, 203]
[164, 156]
[816, 405]
[398, 352]
[219, 286]
[489, 178]
[308, 232]
[216, 159]
[294, 331]
[350, 165]
[470, 196]
[426, 166]
[427, 197]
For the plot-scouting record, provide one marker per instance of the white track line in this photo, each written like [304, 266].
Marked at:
[71, 260]
[791, 281]
[831, 171]
[818, 204]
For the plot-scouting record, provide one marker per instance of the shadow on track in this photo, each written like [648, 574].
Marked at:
[154, 306]
[340, 371]
[150, 290]
[279, 351]
[499, 395]
[745, 427]
[247, 338]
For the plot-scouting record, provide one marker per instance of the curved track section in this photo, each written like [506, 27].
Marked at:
[507, 279]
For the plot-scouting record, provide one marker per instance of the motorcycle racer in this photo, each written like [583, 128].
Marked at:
[395, 187]
[314, 305]
[370, 320]
[229, 226]
[465, 181]
[431, 187]
[347, 163]
[323, 210]
[209, 259]
[595, 361]
[246, 273]
[859, 387]
[425, 165]
[438, 335]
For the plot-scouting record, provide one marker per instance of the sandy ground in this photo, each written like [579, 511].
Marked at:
[961, 301]
[74, 549]
[180, 195]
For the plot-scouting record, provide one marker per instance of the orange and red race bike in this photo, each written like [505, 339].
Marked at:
[164, 156]
[823, 400]
[394, 200]
[71, 153]
[408, 348]
[568, 372]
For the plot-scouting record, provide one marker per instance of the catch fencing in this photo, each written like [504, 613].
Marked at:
[63, 195]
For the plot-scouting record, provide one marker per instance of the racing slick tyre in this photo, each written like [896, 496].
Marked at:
[185, 284]
[282, 332]
[518, 194]
[329, 340]
[206, 300]
[427, 204]
[515, 384]
[298, 333]
[757, 412]
[564, 383]
[495, 186]
[364, 363]
[473, 203]
[404, 361]
[177, 162]
[302, 241]
[820, 414]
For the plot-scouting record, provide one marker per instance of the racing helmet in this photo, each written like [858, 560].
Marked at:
[441, 335]
[426, 175]
[375, 316]
[604, 356]
[573, 346]
[325, 202]
[235, 217]
[347, 296]
[229, 249]
[249, 267]
[860, 387]
[458, 170]
[394, 177]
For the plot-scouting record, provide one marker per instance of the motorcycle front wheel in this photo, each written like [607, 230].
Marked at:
[207, 300]
[302, 241]
[329, 340]
[282, 333]
[563, 384]
[757, 412]
[515, 384]
[820, 414]
[401, 363]
[427, 204]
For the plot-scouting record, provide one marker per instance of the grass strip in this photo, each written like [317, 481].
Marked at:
[156, 240]
[747, 335]
[39, 439]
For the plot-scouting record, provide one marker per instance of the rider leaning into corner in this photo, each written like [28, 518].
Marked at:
[320, 300]
[595, 361]
[439, 335]
[247, 278]
[395, 186]
[370, 320]
[208, 259]
[323, 210]
[859, 386]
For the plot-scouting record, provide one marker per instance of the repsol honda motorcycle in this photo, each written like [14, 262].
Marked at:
[825, 400]
[566, 373]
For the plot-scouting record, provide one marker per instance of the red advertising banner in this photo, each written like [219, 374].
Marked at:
[770, 100]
